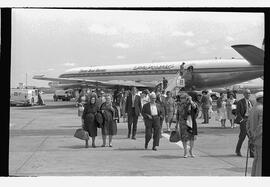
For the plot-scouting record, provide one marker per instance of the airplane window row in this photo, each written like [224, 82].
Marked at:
[117, 73]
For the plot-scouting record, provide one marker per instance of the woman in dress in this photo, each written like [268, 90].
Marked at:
[221, 109]
[89, 122]
[187, 111]
[123, 105]
[110, 115]
[81, 103]
[230, 106]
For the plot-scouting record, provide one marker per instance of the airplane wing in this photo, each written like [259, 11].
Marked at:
[95, 82]
[252, 54]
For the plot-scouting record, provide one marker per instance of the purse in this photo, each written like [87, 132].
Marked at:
[175, 136]
[81, 134]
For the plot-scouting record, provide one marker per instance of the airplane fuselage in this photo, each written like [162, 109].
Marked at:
[206, 73]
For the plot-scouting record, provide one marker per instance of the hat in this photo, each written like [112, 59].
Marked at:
[259, 95]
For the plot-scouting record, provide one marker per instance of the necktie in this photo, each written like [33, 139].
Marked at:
[249, 105]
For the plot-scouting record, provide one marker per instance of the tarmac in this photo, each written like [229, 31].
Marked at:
[42, 144]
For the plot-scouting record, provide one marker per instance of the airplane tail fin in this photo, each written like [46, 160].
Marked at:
[252, 54]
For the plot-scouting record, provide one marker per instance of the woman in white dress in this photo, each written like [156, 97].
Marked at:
[221, 108]
[230, 106]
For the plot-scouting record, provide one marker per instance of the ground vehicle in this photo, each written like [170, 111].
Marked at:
[65, 95]
[27, 97]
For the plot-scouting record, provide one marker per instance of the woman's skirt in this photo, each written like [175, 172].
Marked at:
[229, 114]
[222, 113]
[185, 132]
[109, 128]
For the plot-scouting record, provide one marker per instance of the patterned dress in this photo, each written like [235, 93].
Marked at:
[181, 116]
[229, 108]
[109, 113]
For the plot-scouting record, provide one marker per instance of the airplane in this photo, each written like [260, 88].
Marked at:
[206, 74]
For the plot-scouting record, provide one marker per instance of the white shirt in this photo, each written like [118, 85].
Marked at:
[133, 99]
[249, 106]
[153, 108]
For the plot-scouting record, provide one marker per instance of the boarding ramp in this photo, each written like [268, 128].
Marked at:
[175, 84]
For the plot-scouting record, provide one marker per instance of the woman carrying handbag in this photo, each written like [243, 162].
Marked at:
[187, 112]
[90, 124]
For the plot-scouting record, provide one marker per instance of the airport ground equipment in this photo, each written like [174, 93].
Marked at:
[62, 94]
[25, 97]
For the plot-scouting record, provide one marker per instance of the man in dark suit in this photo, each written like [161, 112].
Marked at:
[133, 109]
[152, 113]
[243, 107]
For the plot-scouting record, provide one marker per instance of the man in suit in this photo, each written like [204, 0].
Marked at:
[152, 113]
[133, 109]
[243, 107]
[205, 103]
[255, 131]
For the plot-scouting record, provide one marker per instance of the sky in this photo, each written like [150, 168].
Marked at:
[49, 41]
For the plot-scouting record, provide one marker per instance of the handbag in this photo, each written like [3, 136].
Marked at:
[175, 136]
[81, 134]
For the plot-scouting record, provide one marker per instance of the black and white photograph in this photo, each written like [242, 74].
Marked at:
[122, 92]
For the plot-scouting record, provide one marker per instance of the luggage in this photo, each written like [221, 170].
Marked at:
[175, 136]
[81, 134]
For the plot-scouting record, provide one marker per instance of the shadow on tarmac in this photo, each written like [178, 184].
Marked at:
[129, 149]
[79, 146]
[163, 156]
[220, 156]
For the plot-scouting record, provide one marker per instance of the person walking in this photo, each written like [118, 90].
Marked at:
[169, 110]
[205, 104]
[81, 103]
[243, 107]
[255, 131]
[230, 105]
[187, 112]
[221, 110]
[110, 115]
[123, 105]
[83, 98]
[145, 98]
[101, 98]
[161, 101]
[152, 113]
[164, 83]
[89, 122]
[133, 109]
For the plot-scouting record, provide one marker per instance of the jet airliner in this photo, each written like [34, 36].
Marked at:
[206, 73]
